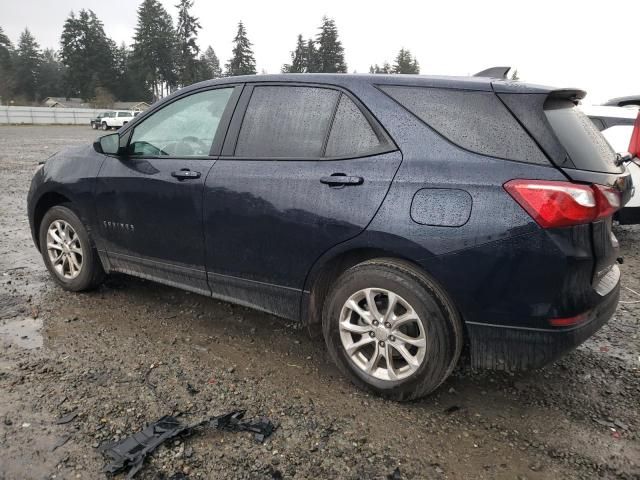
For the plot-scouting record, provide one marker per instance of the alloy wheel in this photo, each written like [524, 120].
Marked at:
[382, 334]
[64, 249]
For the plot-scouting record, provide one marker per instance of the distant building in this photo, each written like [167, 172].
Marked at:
[61, 102]
[135, 106]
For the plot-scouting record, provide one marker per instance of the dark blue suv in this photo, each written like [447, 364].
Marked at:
[405, 217]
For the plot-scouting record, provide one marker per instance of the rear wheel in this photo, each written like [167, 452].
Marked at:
[391, 329]
[67, 250]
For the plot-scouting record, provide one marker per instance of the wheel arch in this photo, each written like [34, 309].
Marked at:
[327, 270]
[44, 203]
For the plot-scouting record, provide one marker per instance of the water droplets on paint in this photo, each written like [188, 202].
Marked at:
[22, 332]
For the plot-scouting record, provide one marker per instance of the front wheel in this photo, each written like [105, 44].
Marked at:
[105, 126]
[67, 251]
[391, 329]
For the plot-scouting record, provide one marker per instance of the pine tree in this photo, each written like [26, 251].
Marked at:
[406, 63]
[299, 63]
[209, 65]
[28, 60]
[188, 50]
[386, 68]
[515, 76]
[154, 52]
[6, 68]
[242, 61]
[88, 55]
[330, 50]
[312, 57]
[51, 82]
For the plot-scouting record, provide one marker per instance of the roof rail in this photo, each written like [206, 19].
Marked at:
[494, 72]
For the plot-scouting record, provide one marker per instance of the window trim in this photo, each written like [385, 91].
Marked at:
[218, 139]
[387, 144]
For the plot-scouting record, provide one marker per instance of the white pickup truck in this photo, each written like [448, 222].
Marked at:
[116, 119]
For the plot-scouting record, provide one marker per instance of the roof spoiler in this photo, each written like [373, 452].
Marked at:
[494, 72]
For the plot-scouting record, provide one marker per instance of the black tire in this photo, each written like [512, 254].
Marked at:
[91, 272]
[439, 319]
[94, 126]
[105, 126]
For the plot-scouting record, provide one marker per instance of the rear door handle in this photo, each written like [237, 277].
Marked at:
[338, 179]
[185, 174]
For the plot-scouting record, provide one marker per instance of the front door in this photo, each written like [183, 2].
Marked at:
[149, 202]
[303, 169]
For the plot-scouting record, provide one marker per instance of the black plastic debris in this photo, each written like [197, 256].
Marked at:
[129, 453]
[234, 422]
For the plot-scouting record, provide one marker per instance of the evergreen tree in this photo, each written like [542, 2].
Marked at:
[406, 63]
[515, 76]
[6, 68]
[386, 68]
[312, 57]
[187, 32]
[51, 82]
[330, 50]
[130, 85]
[242, 61]
[88, 55]
[209, 65]
[299, 62]
[154, 51]
[28, 60]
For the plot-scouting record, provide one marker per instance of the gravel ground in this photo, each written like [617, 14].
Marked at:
[123, 356]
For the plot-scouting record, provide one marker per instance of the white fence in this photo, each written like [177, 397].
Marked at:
[46, 115]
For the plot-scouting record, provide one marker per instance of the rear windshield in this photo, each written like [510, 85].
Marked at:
[585, 145]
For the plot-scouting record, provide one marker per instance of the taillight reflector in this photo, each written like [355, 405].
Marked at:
[569, 321]
[555, 204]
[634, 144]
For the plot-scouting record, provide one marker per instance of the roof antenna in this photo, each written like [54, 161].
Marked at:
[494, 72]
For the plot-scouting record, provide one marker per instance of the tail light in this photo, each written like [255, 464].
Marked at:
[555, 204]
[634, 144]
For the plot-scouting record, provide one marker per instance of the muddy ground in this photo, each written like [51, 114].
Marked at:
[133, 351]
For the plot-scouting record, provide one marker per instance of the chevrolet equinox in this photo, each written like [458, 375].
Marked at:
[405, 217]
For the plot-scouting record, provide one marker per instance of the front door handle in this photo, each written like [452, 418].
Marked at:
[339, 179]
[185, 174]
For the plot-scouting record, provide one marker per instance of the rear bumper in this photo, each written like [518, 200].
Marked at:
[500, 347]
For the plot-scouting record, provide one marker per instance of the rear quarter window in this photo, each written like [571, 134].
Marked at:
[585, 145]
[351, 133]
[476, 121]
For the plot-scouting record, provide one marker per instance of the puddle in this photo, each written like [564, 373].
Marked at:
[23, 333]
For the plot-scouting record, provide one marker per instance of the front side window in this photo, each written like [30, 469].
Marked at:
[286, 121]
[184, 128]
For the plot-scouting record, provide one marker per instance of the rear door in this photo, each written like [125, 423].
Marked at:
[304, 167]
[149, 201]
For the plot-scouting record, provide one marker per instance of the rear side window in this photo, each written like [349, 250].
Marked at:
[475, 121]
[351, 134]
[286, 121]
[587, 148]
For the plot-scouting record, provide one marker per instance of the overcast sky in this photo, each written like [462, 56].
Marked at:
[565, 43]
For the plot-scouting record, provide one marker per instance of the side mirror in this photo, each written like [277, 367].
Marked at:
[109, 144]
